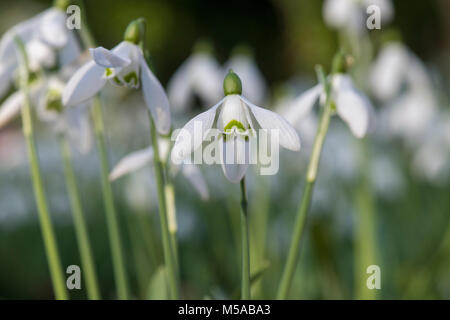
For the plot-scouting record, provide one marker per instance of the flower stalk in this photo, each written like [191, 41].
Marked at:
[111, 215]
[311, 175]
[245, 293]
[169, 252]
[51, 247]
[81, 231]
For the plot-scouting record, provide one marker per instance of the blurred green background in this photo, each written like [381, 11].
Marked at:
[289, 38]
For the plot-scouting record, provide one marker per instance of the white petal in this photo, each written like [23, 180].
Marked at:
[352, 106]
[388, 71]
[155, 97]
[195, 177]
[40, 54]
[108, 59]
[301, 107]
[53, 28]
[78, 127]
[186, 141]
[269, 120]
[26, 30]
[71, 51]
[234, 157]
[132, 162]
[84, 84]
[11, 108]
[6, 74]
[179, 89]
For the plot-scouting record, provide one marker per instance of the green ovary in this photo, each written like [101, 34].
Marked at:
[234, 123]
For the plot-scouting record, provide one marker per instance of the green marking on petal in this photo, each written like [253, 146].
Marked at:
[131, 78]
[117, 81]
[108, 72]
[54, 102]
[234, 123]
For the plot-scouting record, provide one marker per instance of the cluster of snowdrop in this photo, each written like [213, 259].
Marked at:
[64, 84]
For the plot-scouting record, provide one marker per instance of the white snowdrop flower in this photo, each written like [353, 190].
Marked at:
[233, 119]
[395, 68]
[350, 15]
[47, 92]
[199, 76]
[141, 158]
[410, 115]
[124, 65]
[431, 157]
[243, 63]
[47, 41]
[352, 105]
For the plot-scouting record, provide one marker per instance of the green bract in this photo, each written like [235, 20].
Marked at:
[232, 84]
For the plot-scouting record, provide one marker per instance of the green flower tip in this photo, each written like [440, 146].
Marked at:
[203, 46]
[61, 4]
[391, 35]
[232, 84]
[135, 31]
[243, 49]
[341, 62]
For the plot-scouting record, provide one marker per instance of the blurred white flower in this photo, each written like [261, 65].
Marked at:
[200, 75]
[431, 158]
[244, 65]
[124, 65]
[47, 42]
[235, 125]
[397, 68]
[138, 159]
[350, 15]
[352, 106]
[47, 91]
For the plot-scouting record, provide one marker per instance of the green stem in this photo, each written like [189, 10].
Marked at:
[245, 293]
[81, 231]
[51, 247]
[111, 215]
[172, 220]
[167, 242]
[311, 175]
[365, 240]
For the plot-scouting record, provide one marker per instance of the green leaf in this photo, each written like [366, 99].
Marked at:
[158, 287]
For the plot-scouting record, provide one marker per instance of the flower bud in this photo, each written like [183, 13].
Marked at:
[341, 62]
[135, 31]
[232, 84]
[61, 4]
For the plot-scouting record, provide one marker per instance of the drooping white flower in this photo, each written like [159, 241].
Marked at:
[47, 41]
[124, 65]
[244, 64]
[352, 105]
[351, 15]
[397, 68]
[45, 95]
[233, 117]
[138, 159]
[199, 76]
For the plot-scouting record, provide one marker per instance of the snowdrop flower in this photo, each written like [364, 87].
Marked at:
[199, 75]
[124, 65]
[235, 120]
[47, 91]
[397, 67]
[431, 157]
[351, 105]
[47, 41]
[350, 15]
[138, 159]
[243, 63]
